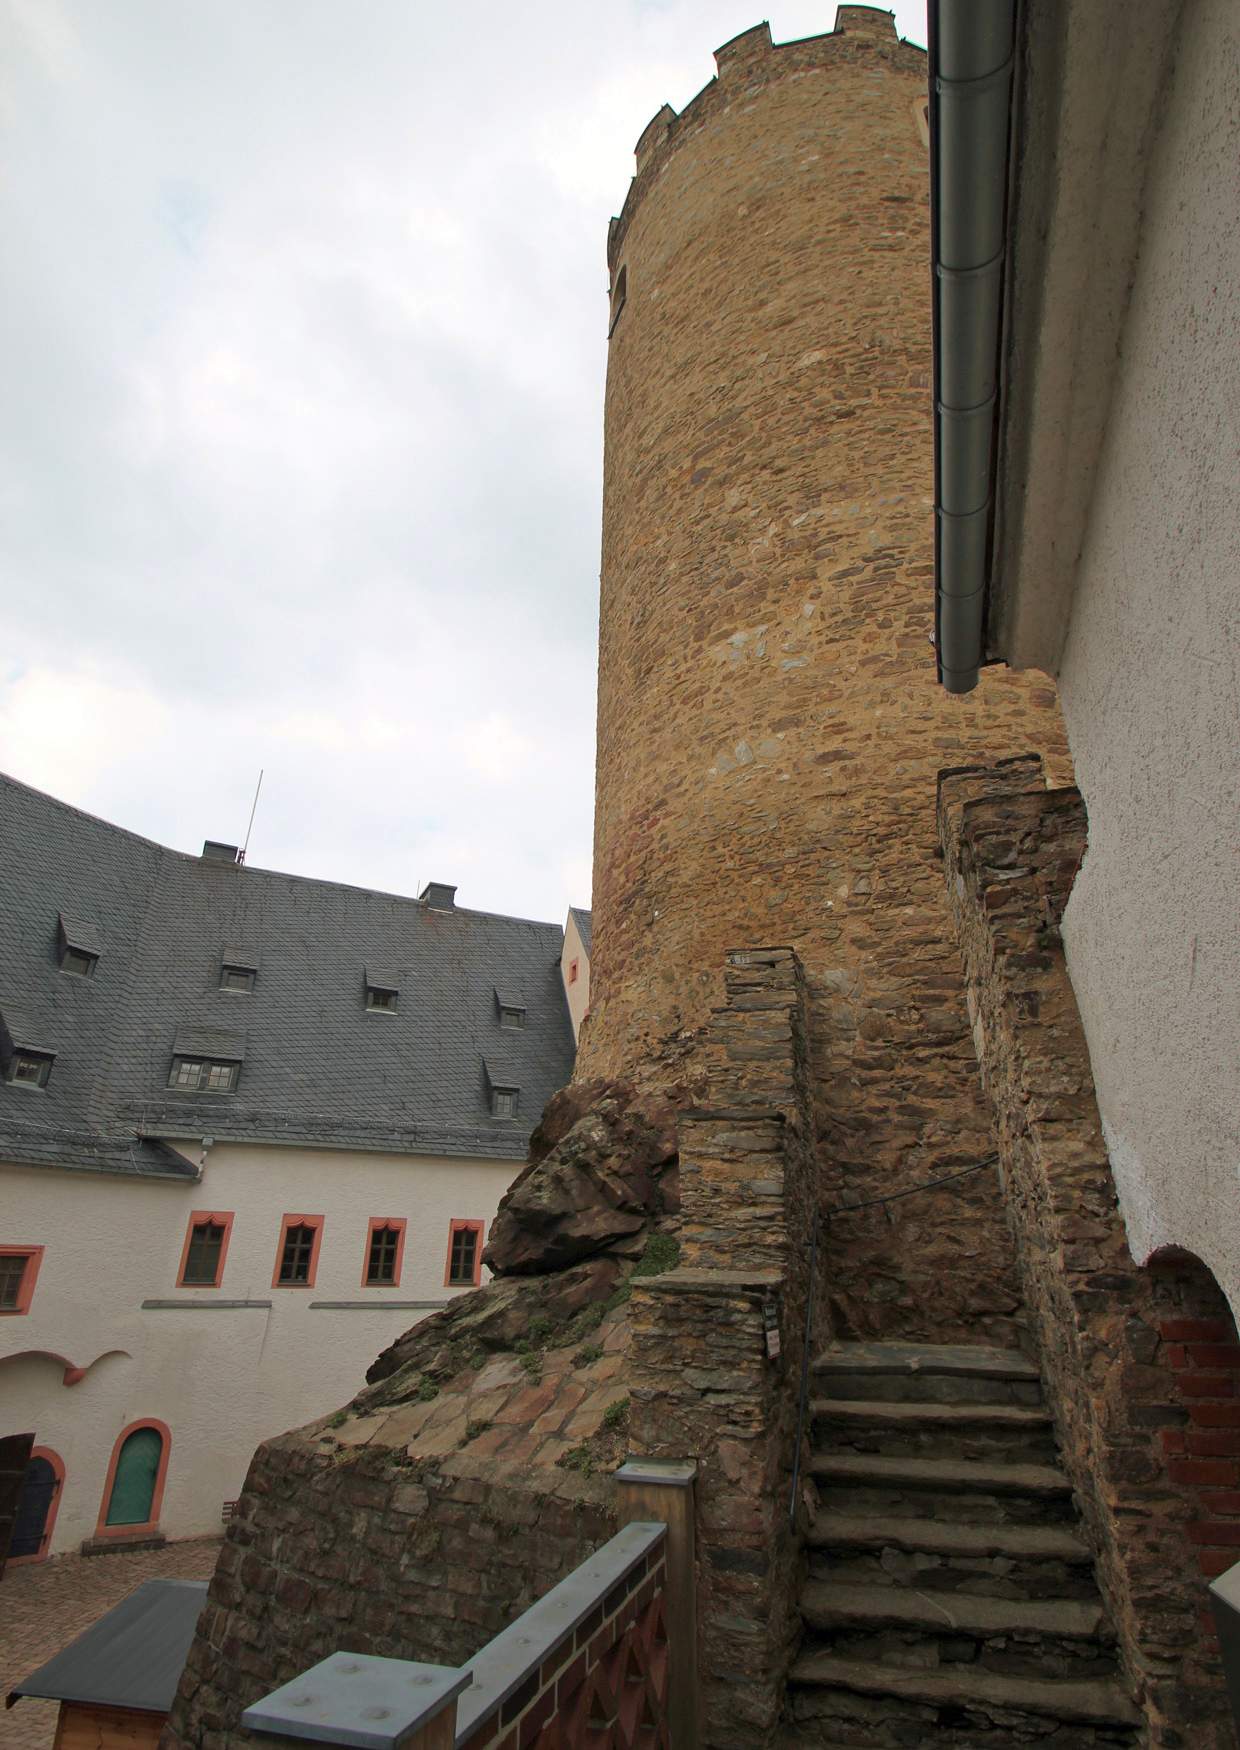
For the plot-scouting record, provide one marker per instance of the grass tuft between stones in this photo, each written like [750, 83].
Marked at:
[662, 1254]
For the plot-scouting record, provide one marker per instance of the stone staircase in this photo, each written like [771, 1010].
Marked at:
[950, 1599]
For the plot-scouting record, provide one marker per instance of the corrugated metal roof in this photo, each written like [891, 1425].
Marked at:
[132, 1657]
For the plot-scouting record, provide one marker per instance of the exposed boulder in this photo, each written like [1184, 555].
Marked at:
[495, 1317]
[602, 1168]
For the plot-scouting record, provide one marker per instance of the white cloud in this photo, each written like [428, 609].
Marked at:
[302, 429]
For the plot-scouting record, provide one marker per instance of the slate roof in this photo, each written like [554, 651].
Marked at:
[131, 1657]
[585, 922]
[317, 1066]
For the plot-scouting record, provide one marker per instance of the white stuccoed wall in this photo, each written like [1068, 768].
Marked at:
[577, 993]
[1150, 684]
[224, 1379]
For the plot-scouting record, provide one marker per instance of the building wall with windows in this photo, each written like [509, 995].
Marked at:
[188, 1036]
[111, 1338]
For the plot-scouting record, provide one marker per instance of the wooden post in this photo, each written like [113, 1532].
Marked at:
[662, 1489]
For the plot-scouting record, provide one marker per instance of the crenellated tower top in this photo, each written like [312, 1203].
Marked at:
[744, 65]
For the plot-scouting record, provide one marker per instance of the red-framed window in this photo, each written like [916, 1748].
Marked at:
[134, 1490]
[297, 1255]
[464, 1266]
[19, 1271]
[574, 967]
[206, 1247]
[385, 1252]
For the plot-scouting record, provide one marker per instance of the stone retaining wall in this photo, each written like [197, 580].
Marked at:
[705, 1384]
[1124, 1350]
[408, 1560]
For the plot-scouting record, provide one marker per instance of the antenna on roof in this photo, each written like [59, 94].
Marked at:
[249, 829]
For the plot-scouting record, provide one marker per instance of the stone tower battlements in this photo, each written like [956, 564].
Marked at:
[745, 65]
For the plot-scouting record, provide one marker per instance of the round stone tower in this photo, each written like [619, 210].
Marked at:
[769, 722]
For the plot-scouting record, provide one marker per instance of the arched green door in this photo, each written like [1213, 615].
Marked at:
[133, 1486]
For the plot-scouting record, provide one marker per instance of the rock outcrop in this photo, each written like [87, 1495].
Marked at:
[602, 1171]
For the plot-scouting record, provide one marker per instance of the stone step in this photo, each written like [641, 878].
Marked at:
[928, 1430]
[872, 1486]
[1060, 1638]
[994, 1561]
[928, 1373]
[958, 1705]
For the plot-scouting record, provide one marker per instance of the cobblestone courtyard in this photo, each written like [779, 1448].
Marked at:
[47, 1604]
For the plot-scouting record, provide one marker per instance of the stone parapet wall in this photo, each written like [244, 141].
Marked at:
[1124, 1349]
[705, 1383]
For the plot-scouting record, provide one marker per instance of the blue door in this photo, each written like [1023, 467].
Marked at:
[39, 1488]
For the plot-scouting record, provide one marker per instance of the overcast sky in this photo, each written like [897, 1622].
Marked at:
[303, 346]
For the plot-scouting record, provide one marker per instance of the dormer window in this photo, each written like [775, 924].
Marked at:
[511, 1008]
[206, 1060]
[79, 946]
[30, 1069]
[26, 1052]
[200, 1075]
[382, 984]
[238, 970]
[503, 1088]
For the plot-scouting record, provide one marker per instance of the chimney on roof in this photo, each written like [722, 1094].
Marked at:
[213, 851]
[439, 896]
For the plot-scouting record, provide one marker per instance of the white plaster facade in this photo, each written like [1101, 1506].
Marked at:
[575, 971]
[221, 1378]
[1139, 614]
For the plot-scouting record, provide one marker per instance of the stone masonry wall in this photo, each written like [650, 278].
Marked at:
[704, 1383]
[418, 1522]
[1139, 1363]
[769, 720]
[408, 1560]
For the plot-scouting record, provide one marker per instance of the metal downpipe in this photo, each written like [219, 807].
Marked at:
[971, 48]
